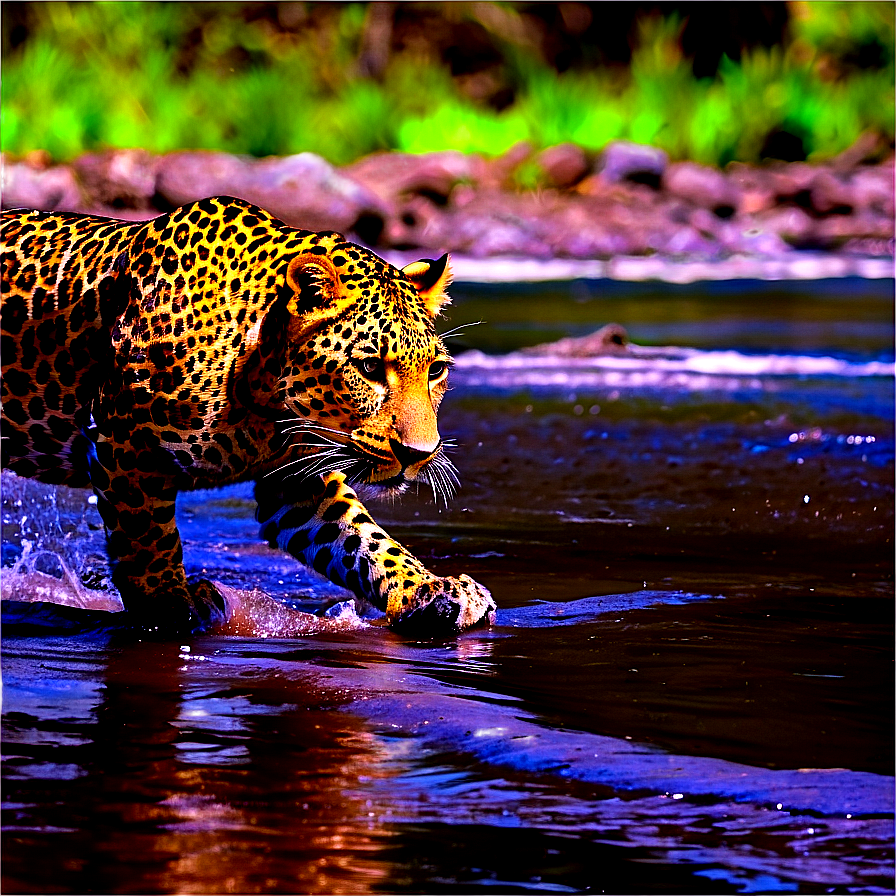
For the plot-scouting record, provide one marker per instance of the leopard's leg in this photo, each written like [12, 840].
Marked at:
[144, 546]
[331, 531]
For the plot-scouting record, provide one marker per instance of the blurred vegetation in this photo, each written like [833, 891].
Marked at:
[705, 81]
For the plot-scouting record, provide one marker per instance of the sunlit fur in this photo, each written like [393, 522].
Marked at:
[212, 345]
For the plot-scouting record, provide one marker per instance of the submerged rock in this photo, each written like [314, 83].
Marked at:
[611, 339]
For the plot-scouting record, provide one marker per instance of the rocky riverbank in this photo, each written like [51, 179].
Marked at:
[626, 212]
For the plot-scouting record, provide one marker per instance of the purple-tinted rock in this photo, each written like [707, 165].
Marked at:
[735, 237]
[791, 224]
[702, 186]
[684, 240]
[584, 228]
[414, 221]
[187, 176]
[493, 224]
[872, 188]
[836, 229]
[622, 161]
[867, 246]
[47, 189]
[595, 241]
[494, 236]
[830, 193]
[307, 191]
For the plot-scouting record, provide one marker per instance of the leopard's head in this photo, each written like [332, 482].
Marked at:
[363, 370]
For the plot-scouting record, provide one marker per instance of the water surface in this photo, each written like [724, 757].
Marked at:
[689, 687]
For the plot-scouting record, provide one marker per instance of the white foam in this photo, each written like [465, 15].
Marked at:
[684, 368]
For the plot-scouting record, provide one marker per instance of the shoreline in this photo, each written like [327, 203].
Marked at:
[626, 214]
[633, 269]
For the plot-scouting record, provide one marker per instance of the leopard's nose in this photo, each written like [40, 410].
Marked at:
[408, 456]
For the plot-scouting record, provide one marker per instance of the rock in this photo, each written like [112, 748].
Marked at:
[622, 160]
[449, 201]
[303, 190]
[702, 186]
[119, 179]
[757, 191]
[492, 233]
[877, 248]
[685, 240]
[47, 189]
[611, 339]
[758, 243]
[492, 224]
[187, 176]
[595, 241]
[307, 191]
[563, 165]
[395, 176]
[834, 230]
[792, 182]
[830, 194]
[579, 227]
[411, 189]
[872, 189]
[412, 223]
[791, 224]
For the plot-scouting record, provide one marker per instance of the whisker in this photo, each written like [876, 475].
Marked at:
[312, 462]
[323, 442]
[454, 331]
[316, 428]
[327, 461]
[441, 476]
[306, 458]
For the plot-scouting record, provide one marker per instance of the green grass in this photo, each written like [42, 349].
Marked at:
[166, 76]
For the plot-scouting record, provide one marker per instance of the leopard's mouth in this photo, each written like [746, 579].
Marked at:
[379, 471]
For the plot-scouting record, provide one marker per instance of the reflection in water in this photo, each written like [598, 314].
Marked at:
[185, 770]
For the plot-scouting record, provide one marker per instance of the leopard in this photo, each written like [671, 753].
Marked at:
[212, 345]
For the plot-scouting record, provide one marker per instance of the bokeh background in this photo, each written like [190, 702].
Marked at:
[710, 82]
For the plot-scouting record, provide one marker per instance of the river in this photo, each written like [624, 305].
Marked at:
[689, 687]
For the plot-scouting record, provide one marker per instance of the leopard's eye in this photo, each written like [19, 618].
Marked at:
[437, 370]
[373, 369]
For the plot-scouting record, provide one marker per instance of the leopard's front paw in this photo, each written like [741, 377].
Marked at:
[446, 606]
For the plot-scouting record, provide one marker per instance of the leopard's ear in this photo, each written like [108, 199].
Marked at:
[314, 288]
[431, 279]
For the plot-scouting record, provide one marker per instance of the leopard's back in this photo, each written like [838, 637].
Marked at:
[58, 277]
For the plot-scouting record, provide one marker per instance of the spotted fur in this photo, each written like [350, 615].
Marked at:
[214, 345]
